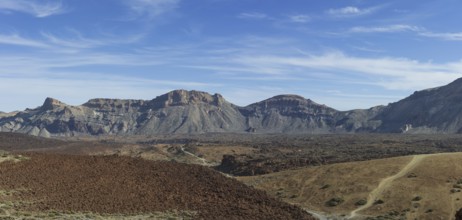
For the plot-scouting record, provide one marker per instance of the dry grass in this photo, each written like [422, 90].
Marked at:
[215, 153]
[430, 181]
[6, 156]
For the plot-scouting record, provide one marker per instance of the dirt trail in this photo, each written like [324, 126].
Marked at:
[202, 160]
[385, 183]
[306, 182]
[317, 215]
[453, 207]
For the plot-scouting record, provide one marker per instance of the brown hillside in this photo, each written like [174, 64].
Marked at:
[123, 185]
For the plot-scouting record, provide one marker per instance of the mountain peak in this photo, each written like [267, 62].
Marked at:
[51, 103]
[288, 97]
[185, 97]
[287, 100]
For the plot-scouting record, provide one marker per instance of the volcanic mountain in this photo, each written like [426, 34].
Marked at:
[437, 110]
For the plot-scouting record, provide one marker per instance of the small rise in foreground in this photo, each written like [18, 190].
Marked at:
[130, 186]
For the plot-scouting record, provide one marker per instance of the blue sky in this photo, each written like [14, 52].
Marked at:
[346, 54]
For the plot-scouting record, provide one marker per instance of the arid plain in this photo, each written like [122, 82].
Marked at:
[330, 176]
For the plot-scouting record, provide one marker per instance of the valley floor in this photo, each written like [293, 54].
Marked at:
[381, 176]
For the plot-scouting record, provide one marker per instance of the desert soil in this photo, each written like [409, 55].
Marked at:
[132, 186]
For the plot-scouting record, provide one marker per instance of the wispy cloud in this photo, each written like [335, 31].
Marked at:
[233, 61]
[78, 41]
[52, 43]
[367, 49]
[151, 8]
[448, 36]
[443, 36]
[253, 15]
[386, 29]
[395, 73]
[15, 39]
[38, 9]
[300, 18]
[279, 63]
[350, 11]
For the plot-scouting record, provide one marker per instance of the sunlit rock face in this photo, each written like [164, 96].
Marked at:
[437, 110]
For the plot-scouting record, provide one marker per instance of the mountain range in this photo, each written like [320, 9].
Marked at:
[437, 110]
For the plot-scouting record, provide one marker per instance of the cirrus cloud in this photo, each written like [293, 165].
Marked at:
[350, 11]
[385, 29]
[457, 36]
[300, 18]
[252, 15]
[151, 8]
[38, 9]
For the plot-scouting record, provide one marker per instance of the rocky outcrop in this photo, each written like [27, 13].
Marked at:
[178, 111]
[183, 98]
[181, 111]
[51, 104]
[437, 110]
[291, 114]
[5, 114]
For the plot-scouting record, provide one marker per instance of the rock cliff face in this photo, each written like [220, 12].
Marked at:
[181, 111]
[289, 114]
[436, 110]
[178, 111]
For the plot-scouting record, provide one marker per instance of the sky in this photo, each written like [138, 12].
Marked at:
[345, 54]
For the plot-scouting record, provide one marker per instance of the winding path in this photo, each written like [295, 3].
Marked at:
[385, 183]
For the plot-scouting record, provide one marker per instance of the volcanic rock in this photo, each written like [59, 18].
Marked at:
[437, 110]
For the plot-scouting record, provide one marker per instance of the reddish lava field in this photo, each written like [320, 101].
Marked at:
[124, 185]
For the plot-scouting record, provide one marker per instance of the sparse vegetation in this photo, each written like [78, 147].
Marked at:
[459, 181]
[378, 202]
[273, 154]
[131, 181]
[334, 202]
[361, 202]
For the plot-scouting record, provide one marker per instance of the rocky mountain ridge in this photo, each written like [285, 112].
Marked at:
[436, 110]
